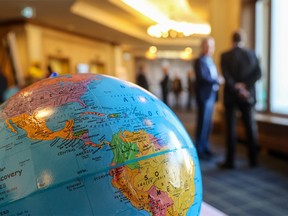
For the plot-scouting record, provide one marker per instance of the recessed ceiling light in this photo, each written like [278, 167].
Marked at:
[28, 12]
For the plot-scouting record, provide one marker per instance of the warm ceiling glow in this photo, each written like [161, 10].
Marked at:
[150, 55]
[188, 50]
[166, 27]
[186, 54]
[152, 52]
[147, 9]
[153, 49]
[174, 29]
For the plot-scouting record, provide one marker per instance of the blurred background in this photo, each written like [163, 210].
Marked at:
[118, 37]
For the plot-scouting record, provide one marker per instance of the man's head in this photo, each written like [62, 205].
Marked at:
[208, 46]
[238, 37]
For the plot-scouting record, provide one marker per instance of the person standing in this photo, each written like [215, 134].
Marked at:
[165, 85]
[177, 90]
[3, 87]
[241, 70]
[207, 85]
[141, 79]
[191, 90]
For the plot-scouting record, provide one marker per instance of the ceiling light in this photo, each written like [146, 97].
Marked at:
[175, 29]
[186, 54]
[166, 26]
[152, 52]
[188, 50]
[153, 49]
[28, 12]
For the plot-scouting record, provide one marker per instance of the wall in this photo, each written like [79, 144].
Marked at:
[77, 49]
[224, 20]
[6, 65]
[36, 44]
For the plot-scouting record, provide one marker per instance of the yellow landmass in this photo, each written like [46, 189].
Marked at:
[124, 181]
[174, 176]
[36, 127]
[142, 140]
[167, 173]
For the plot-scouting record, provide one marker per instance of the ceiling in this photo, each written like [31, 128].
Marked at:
[108, 21]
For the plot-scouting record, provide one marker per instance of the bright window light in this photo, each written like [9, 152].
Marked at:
[279, 63]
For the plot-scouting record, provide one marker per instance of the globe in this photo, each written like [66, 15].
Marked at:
[94, 145]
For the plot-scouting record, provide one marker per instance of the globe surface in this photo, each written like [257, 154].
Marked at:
[94, 145]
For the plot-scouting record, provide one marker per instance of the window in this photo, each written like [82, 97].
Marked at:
[279, 60]
[272, 89]
[261, 48]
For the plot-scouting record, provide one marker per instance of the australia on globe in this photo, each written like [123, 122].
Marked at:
[87, 144]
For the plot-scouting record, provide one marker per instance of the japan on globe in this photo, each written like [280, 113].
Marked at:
[87, 144]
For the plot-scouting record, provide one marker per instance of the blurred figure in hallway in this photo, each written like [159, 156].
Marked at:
[177, 89]
[191, 91]
[50, 72]
[165, 85]
[141, 79]
[241, 70]
[207, 85]
[3, 86]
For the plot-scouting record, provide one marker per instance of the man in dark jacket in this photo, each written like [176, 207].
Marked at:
[165, 85]
[241, 70]
[3, 86]
[141, 79]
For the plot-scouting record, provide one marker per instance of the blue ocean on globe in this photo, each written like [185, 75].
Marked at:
[87, 144]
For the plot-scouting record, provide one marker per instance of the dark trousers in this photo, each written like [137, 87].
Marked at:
[165, 96]
[247, 114]
[204, 121]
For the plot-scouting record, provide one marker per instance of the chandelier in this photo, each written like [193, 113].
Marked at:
[167, 19]
[173, 29]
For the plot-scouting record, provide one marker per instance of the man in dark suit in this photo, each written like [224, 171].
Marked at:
[241, 70]
[3, 86]
[141, 79]
[206, 87]
[164, 83]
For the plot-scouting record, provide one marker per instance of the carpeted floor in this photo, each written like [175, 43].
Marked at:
[244, 191]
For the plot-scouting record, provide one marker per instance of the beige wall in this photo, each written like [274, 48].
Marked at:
[224, 19]
[76, 49]
[36, 44]
[19, 32]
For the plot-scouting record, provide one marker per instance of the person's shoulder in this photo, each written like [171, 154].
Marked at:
[227, 53]
[249, 52]
[245, 49]
[197, 60]
[200, 59]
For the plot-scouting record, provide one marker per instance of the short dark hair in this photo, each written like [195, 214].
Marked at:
[238, 36]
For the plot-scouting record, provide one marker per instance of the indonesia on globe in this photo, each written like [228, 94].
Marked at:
[94, 145]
